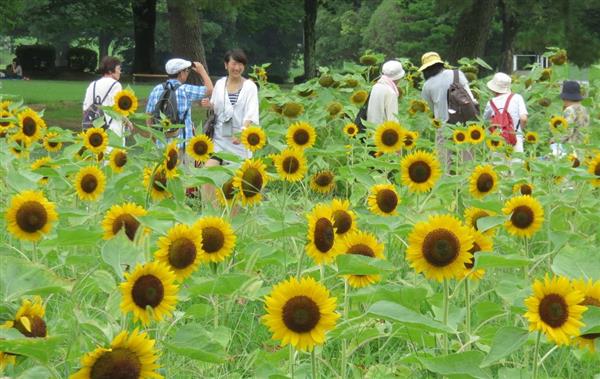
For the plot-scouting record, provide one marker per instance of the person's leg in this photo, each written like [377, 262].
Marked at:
[208, 190]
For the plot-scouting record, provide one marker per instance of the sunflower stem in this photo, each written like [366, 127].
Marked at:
[313, 364]
[322, 273]
[291, 361]
[468, 316]
[344, 342]
[445, 319]
[299, 268]
[535, 354]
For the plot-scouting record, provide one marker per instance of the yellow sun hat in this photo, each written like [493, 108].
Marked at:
[429, 59]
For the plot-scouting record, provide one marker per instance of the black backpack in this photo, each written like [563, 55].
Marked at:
[167, 105]
[459, 100]
[94, 111]
[362, 115]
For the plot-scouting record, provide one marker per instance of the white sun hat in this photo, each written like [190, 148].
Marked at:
[500, 83]
[175, 65]
[393, 70]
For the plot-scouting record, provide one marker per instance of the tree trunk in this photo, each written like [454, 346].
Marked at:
[472, 30]
[144, 23]
[310, 40]
[61, 54]
[104, 40]
[509, 32]
[186, 33]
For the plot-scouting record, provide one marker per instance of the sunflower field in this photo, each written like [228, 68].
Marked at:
[330, 254]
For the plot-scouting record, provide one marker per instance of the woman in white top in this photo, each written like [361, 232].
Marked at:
[500, 86]
[383, 101]
[105, 89]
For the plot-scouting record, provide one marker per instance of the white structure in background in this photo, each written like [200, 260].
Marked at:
[522, 60]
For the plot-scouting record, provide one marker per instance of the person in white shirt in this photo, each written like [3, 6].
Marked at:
[500, 87]
[383, 101]
[105, 90]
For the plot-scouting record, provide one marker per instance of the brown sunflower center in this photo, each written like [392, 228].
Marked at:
[159, 183]
[419, 172]
[37, 324]
[526, 189]
[31, 216]
[118, 363]
[148, 290]
[200, 147]
[485, 182]
[476, 217]
[597, 170]
[361, 249]
[522, 217]
[474, 249]
[342, 221]
[172, 157]
[495, 143]
[531, 138]
[125, 103]
[182, 253]
[387, 200]
[213, 239]
[52, 144]
[576, 163]
[120, 159]
[389, 137]
[324, 179]
[89, 183]
[301, 314]
[128, 222]
[253, 139]
[29, 126]
[228, 189]
[96, 139]
[290, 165]
[301, 137]
[475, 135]
[351, 130]
[440, 247]
[460, 137]
[324, 235]
[408, 140]
[252, 182]
[553, 310]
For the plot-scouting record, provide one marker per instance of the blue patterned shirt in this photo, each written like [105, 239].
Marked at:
[186, 93]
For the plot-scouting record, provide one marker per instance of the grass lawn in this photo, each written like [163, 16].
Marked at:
[62, 100]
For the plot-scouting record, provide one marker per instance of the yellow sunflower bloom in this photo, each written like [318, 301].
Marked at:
[31, 125]
[383, 200]
[90, 183]
[131, 355]
[420, 171]
[95, 140]
[200, 147]
[291, 165]
[301, 135]
[19, 146]
[156, 183]
[151, 285]
[122, 217]
[418, 106]
[460, 136]
[526, 216]
[389, 137]
[483, 181]
[476, 133]
[5, 104]
[554, 308]
[254, 138]
[365, 244]
[523, 189]
[594, 169]
[7, 359]
[29, 319]
[481, 244]
[322, 246]
[350, 129]
[180, 250]
[217, 238]
[410, 139]
[50, 142]
[43, 162]
[344, 218]
[495, 141]
[323, 182]
[591, 296]
[439, 248]
[226, 195]
[125, 102]
[334, 108]
[300, 313]
[532, 137]
[171, 160]
[436, 123]
[558, 124]
[118, 160]
[359, 97]
[472, 214]
[30, 215]
[249, 180]
[5, 121]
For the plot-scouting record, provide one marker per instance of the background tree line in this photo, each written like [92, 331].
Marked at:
[307, 33]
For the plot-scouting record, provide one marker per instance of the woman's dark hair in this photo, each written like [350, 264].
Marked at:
[108, 65]
[237, 55]
[433, 70]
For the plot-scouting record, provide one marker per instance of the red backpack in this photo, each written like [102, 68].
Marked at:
[504, 121]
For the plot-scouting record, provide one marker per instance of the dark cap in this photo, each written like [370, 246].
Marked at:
[571, 91]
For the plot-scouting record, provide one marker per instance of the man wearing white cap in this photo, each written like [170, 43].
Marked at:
[178, 71]
[512, 102]
[383, 100]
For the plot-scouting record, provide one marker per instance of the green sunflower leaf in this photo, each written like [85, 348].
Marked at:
[485, 260]
[42, 349]
[591, 320]
[20, 277]
[466, 363]
[396, 312]
[507, 340]
[353, 264]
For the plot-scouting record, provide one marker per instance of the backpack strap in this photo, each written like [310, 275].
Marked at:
[94, 98]
[107, 92]
[456, 79]
[507, 102]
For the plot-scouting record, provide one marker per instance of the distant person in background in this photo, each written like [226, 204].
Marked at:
[15, 71]
[574, 112]
[500, 87]
[383, 101]
[103, 91]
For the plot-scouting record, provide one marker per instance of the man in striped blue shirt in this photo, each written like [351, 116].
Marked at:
[178, 71]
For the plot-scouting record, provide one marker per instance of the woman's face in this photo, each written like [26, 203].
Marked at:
[234, 68]
[117, 73]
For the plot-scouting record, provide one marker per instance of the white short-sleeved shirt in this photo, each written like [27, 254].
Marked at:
[383, 104]
[102, 86]
[516, 108]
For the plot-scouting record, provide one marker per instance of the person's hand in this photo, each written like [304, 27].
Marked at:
[205, 103]
[197, 66]
[235, 140]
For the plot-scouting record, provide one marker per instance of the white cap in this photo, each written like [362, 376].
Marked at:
[393, 70]
[500, 83]
[175, 65]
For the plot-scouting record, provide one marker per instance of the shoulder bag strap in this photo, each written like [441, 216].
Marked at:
[107, 92]
[456, 78]
[505, 110]
[494, 108]
[94, 99]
